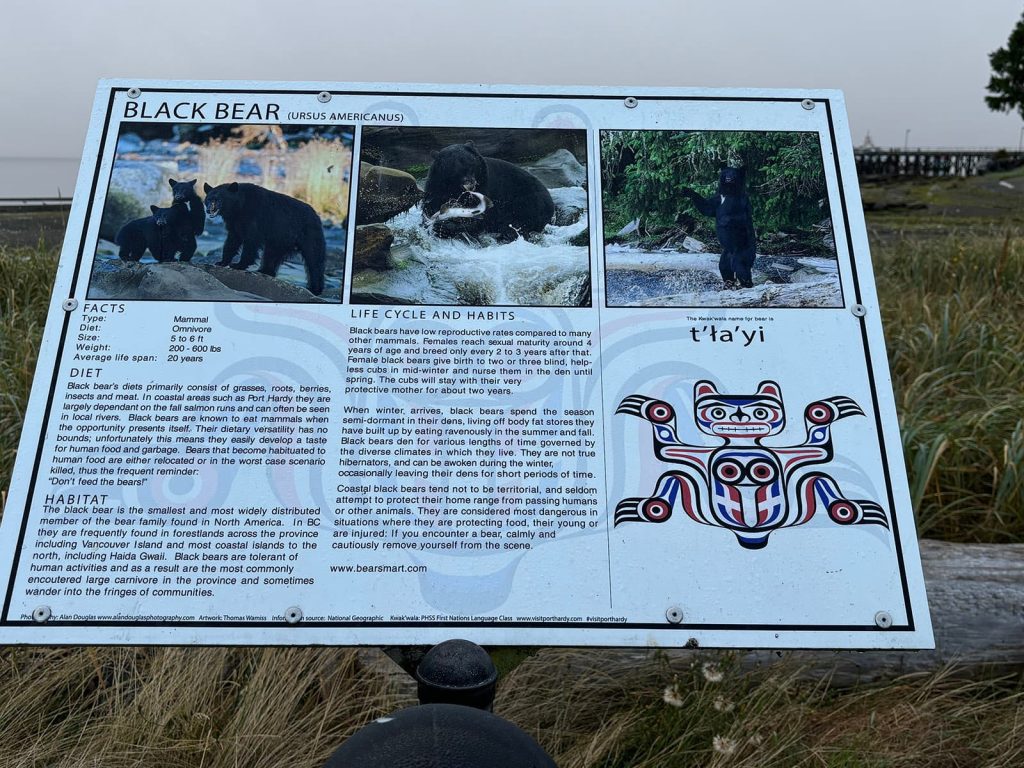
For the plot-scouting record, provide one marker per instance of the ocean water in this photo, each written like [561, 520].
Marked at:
[38, 176]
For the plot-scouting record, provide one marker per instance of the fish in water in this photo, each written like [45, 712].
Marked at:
[468, 205]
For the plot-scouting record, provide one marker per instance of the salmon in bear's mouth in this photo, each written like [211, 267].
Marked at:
[468, 205]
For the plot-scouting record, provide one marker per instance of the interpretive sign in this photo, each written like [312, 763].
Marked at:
[395, 364]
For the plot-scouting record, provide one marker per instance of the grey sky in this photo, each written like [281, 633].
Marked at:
[917, 64]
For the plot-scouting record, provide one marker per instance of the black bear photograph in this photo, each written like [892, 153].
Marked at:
[239, 213]
[717, 219]
[166, 233]
[263, 222]
[472, 216]
[185, 192]
[729, 206]
[524, 205]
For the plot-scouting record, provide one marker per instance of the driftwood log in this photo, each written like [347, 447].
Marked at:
[976, 597]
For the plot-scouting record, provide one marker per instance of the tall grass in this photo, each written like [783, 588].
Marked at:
[26, 279]
[705, 714]
[182, 707]
[952, 308]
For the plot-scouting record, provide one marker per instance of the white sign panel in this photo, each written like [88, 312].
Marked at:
[395, 364]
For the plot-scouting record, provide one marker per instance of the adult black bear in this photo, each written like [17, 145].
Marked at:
[734, 224]
[258, 219]
[520, 204]
[185, 192]
[166, 233]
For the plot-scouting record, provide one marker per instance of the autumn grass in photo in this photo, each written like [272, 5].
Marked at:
[316, 171]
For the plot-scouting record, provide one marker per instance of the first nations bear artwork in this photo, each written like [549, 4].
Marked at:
[517, 204]
[734, 224]
[259, 220]
[739, 483]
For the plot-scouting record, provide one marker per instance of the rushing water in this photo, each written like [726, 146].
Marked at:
[636, 278]
[432, 270]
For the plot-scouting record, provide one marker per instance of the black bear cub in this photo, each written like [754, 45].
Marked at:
[520, 204]
[166, 233]
[734, 224]
[185, 192]
[258, 219]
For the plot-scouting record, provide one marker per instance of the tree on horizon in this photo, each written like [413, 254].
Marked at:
[1006, 86]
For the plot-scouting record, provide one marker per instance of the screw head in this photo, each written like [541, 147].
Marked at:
[41, 614]
[883, 619]
[134, 93]
[859, 310]
[674, 614]
[293, 615]
[69, 305]
[630, 102]
[323, 97]
[807, 103]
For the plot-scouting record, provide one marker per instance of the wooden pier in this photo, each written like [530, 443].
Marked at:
[875, 163]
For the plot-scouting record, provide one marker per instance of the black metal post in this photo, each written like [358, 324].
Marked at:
[451, 728]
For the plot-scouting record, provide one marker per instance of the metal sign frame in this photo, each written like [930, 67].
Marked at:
[834, 563]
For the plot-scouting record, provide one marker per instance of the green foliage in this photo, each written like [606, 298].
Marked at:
[785, 175]
[1006, 86]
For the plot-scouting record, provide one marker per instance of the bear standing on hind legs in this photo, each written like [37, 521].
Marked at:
[185, 192]
[258, 219]
[734, 224]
